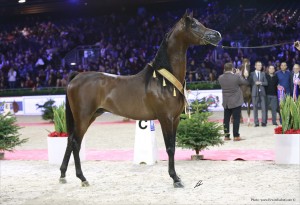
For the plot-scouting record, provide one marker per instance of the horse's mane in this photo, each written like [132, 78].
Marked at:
[161, 60]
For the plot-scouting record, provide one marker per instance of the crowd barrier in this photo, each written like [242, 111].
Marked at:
[27, 104]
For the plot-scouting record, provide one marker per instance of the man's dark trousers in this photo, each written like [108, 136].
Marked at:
[236, 114]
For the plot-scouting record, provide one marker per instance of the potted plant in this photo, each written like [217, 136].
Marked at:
[9, 134]
[47, 109]
[196, 132]
[287, 136]
[58, 139]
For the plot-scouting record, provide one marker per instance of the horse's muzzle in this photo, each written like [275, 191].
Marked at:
[212, 36]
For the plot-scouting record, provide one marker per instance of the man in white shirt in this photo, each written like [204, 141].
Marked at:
[258, 82]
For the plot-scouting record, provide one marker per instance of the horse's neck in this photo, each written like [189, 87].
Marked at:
[177, 57]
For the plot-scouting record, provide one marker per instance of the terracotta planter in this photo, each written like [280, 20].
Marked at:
[287, 148]
[57, 147]
[197, 157]
[1, 155]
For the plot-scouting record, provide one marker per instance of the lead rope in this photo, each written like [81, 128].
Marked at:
[266, 46]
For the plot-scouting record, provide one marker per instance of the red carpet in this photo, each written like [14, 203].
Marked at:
[127, 155]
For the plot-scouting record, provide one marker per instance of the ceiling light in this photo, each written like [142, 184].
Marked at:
[22, 1]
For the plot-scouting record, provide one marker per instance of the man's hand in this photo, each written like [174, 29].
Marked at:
[258, 83]
[297, 45]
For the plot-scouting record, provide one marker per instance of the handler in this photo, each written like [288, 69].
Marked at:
[232, 99]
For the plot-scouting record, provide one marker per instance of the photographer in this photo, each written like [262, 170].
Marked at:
[232, 99]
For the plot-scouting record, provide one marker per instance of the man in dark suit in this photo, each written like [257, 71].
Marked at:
[258, 80]
[295, 81]
[232, 99]
[271, 91]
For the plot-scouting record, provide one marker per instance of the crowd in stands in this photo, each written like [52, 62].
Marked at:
[32, 48]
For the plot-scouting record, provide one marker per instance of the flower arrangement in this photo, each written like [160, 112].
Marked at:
[59, 119]
[290, 116]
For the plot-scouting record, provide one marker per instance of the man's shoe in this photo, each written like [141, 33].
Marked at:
[238, 139]
[256, 125]
[275, 124]
[227, 138]
[263, 124]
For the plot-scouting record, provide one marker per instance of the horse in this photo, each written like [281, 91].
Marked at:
[246, 89]
[144, 96]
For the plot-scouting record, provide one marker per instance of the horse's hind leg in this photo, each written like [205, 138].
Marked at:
[64, 165]
[169, 128]
[80, 130]
[248, 112]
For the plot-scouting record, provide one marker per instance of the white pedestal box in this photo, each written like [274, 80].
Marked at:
[145, 146]
[57, 148]
[287, 148]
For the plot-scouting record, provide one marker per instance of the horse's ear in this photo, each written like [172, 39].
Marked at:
[191, 14]
[185, 15]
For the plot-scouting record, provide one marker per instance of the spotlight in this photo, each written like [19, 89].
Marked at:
[22, 1]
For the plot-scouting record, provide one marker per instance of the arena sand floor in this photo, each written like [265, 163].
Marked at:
[121, 182]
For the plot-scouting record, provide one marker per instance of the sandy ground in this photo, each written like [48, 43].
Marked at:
[223, 182]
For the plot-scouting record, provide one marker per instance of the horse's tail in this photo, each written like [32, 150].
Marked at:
[69, 115]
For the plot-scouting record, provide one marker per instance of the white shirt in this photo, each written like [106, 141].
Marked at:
[257, 72]
[12, 76]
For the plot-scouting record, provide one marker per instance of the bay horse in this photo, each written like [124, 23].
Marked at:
[246, 89]
[138, 97]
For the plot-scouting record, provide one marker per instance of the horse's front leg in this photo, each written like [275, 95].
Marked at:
[169, 127]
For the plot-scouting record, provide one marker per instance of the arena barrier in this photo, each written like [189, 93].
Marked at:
[27, 104]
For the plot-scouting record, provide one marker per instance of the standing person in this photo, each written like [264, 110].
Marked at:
[284, 78]
[12, 77]
[295, 81]
[271, 91]
[232, 99]
[258, 80]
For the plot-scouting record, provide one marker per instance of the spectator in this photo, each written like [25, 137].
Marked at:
[258, 80]
[284, 78]
[295, 81]
[29, 83]
[271, 91]
[12, 77]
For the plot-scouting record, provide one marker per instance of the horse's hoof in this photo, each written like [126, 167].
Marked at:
[85, 184]
[178, 185]
[62, 180]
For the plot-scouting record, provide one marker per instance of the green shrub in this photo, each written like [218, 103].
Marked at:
[60, 118]
[47, 109]
[196, 132]
[290, 113]
[9, 133]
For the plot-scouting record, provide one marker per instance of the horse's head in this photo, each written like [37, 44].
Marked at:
[196, 33]
[245, 67]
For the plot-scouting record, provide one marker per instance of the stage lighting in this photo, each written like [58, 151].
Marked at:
[22, 1]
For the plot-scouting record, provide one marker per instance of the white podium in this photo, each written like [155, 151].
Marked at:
[145, 147]
[57, 148]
